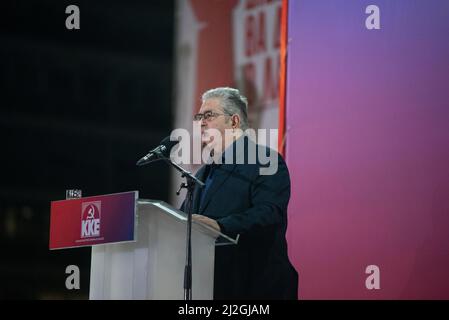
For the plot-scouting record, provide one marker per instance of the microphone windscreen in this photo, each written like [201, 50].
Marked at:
[168, 144]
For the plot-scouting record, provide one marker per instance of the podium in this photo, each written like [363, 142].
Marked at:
[152, 267]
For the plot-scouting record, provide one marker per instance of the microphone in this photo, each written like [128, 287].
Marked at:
[163, 150]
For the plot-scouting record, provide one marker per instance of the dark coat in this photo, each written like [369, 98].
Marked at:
[245, 202]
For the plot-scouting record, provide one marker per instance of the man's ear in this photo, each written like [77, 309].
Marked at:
[235, 121]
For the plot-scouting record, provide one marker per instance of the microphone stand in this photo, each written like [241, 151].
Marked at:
[191, 180]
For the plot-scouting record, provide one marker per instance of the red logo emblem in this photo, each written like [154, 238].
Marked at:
[90, 219]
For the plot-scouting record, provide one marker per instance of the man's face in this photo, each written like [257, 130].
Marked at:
[220, 121]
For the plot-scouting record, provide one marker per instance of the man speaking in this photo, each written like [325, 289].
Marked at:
[239, 198]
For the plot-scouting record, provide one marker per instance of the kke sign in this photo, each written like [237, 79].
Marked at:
[90, 219]
[93, 220]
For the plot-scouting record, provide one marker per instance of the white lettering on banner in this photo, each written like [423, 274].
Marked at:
[90, 228]
[90, 219]
[256, 34]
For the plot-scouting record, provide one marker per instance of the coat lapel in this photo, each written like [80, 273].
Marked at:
[220, 175]
[197, 191]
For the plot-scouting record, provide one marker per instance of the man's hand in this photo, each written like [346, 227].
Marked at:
[207, 221]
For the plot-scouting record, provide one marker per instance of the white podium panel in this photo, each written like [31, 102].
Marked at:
[153, 266]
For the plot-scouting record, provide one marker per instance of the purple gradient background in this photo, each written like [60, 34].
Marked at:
[368, 148]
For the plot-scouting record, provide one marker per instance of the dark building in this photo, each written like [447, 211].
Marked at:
[77, 109]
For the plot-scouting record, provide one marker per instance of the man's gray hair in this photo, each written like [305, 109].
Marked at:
[232, 102]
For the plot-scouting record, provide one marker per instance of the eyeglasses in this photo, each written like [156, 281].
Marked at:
[208, 115]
